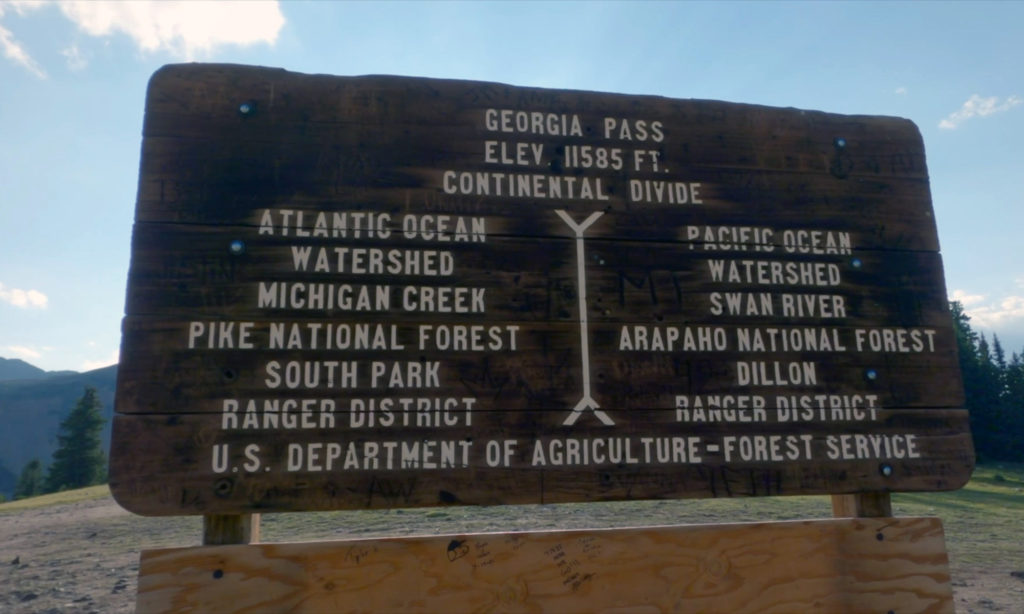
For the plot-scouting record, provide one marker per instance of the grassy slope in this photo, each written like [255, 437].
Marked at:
[57, 498]
[984, 521]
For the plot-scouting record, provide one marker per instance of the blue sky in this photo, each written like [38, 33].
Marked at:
[73, 78]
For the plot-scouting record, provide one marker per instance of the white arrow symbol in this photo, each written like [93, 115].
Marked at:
[587, 402]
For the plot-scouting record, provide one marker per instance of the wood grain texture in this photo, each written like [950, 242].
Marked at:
[223, 529]
[829, 566]
[297, 469]
[188, 270]
[862, 505]
[605, 258]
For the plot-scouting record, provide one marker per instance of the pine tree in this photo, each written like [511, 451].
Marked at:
[998, 355]
[966, 344]
[993, 391]
[30, 482]
[978, 395]
[1014, 405]
[79, 459]
[987, 391]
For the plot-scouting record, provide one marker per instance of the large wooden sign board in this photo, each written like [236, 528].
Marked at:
[360, 292]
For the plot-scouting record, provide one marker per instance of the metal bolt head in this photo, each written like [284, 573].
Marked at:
[840, 142]
[871, 374]
[856, 263]
[246, 108]
[237, 247]
[886, 470]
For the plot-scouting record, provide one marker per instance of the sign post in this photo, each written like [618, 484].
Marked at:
[375, 292]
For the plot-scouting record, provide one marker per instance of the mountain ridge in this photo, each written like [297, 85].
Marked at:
[33, 402]
[16, 369]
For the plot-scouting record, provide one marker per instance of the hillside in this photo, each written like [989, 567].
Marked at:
[13, 369]
[31, 409]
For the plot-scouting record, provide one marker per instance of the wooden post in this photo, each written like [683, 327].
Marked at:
[862, 505]
[225, 529]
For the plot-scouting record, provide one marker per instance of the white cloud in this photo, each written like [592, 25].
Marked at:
[996, 314]
[966, 299]
[23, 6]
[12, 49]
[23, 351]
[976, 106]
[90, 365]
[26, 299]
[901, 91]
[76, 60]
[183, 28]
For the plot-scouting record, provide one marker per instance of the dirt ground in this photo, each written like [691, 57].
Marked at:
[83, 557]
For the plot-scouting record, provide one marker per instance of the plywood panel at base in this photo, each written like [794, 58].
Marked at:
[829, 566]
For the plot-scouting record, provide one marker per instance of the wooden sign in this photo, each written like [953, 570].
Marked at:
[361, 292]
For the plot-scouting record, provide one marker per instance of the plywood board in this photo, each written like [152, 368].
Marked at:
[828, 566]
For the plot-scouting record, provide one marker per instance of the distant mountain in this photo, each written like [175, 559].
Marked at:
[14, 369]
[31, 410]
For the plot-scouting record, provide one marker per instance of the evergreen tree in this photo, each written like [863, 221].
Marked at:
[966, 345]
[79, 459]
[988, 371]
[993, 391]
[987, 404]
[1014, 406]
[998, 355]
[1015, 381]
[30, 482]
[970, 370]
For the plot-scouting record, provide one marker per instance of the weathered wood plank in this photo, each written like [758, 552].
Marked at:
[186, 270]
[879, 213]
[508, 457]
[862, 505]
[314, 141]
[848, 565]
[542, 371]
[225, 529]
[301, 106]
